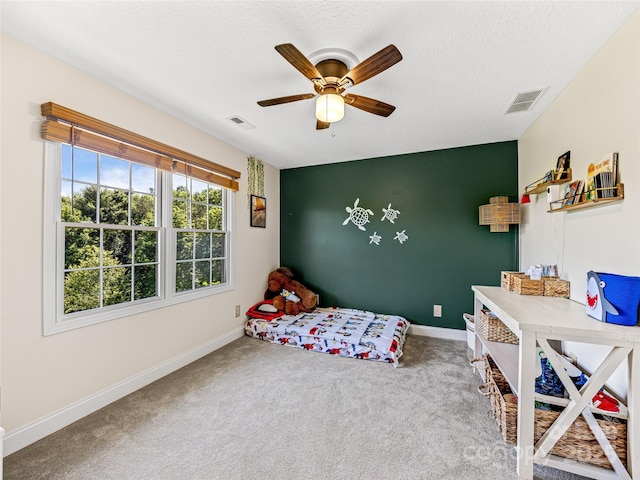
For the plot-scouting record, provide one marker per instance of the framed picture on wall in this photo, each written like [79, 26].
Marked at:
[258, 211]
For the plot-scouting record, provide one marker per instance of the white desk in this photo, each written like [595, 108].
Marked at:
[536, 320]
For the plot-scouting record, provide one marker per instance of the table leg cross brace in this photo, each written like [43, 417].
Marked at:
[579, 404]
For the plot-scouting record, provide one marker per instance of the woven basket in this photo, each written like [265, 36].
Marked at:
[554, 287]
[491, 328]
[577, 443]
[506, 279]
[525, 286]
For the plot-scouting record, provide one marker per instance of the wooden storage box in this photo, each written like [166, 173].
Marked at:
[491, 328]
[554, 287]
[506, 280]
[577, 443]
[525, 286]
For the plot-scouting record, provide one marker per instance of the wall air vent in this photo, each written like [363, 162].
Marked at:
[524, 101]
[238, 120]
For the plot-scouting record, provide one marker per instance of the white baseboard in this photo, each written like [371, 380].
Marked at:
[438, 332]
[35, 431]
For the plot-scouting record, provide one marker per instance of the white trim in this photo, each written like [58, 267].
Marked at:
[66, 416]
[438, 332]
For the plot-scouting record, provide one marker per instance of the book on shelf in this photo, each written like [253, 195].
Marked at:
[573, 194]
[563, 164]
[577, 196]
[602, 178]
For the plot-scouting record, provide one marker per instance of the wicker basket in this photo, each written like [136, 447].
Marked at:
[491, 328]
[525, 286]
[506, 280]
[554, 287]
[577, 443]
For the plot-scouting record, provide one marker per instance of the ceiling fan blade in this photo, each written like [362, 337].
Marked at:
[299, 61]
[369, 105]
[320, 125]
[375, 64]
[290, 98]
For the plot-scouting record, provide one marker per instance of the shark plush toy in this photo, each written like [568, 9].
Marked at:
[613, 298]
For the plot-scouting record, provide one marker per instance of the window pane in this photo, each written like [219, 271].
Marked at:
[146, 244]
[85, 165]
[114, 207]
[199, 191]
[215, 218]
[184, 245]
[198, 215]
[81, 247]
[215, 195]
[179, 214]
[145, 283]
[66, 209]
[85, 202]
[203, 269]
[81, 290]
[143, 209]
[117, 243]
[184, 276]
[143, 178]
[217, 272]
[114, 172]
[117, 285]
[203, 245]
[179, 185]
[217, 247]
[66, 161]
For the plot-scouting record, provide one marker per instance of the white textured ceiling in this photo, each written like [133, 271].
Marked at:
[206, 61]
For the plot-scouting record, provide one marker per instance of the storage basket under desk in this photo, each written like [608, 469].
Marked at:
[577, 443]
[492, 329]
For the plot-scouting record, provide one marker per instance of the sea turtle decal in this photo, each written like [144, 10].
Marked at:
[358, 215]
[390, 214]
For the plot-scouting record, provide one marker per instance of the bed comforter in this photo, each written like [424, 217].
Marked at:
[338, 331]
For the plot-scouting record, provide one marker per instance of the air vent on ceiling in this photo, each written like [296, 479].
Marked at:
[525, 101]
[238, 120]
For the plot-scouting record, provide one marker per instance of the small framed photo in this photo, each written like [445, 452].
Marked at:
[258, 211]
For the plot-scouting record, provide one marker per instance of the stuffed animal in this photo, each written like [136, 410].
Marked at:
[288, 294]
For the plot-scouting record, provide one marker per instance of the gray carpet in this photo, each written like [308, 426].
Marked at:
[253, 410]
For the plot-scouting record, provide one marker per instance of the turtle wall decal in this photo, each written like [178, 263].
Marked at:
[358, 215]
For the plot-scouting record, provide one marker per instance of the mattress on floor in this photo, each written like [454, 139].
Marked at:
[338, 331]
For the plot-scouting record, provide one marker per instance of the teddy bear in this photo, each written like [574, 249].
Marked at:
[288, 294]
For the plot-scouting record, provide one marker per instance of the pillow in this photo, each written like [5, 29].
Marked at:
[264, 310]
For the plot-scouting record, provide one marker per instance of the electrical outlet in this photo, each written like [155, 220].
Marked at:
[437, 310]
[237, 311]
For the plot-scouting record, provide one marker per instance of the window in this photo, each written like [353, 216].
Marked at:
[200, 239]
[124, 236]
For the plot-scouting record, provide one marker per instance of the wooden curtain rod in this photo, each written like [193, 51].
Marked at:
[57, 112]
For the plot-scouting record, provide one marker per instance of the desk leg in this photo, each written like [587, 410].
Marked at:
[526, 404]
[633, 404]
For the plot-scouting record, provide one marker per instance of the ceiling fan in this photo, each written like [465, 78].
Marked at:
[331, 78]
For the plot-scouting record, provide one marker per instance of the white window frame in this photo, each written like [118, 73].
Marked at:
[54, 320]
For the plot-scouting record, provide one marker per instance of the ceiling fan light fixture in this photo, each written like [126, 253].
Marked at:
[330, 108]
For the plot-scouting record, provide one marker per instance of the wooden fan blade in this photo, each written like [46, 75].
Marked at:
[290, 98]
[320, 125]
[369, 105]
[295, 57]
[375, 64]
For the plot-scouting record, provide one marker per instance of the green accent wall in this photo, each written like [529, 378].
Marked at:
[437, 193]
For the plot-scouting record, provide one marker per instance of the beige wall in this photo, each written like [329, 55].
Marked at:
[598, 113]
[44, 375]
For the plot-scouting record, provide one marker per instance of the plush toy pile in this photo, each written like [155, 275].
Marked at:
[289, 295]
